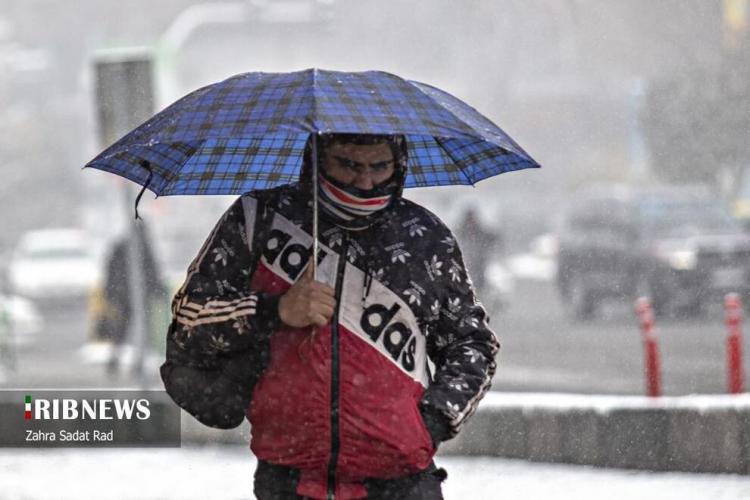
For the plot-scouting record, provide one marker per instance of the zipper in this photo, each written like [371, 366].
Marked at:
[335, 369]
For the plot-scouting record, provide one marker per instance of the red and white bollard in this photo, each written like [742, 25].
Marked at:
[733, 320]
[650, 347]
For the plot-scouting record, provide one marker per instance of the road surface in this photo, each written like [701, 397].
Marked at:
[226, 473]
[542, 350]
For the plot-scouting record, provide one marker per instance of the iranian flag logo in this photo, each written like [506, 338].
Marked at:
[27, 408]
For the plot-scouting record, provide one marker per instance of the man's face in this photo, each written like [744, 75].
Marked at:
[361, 166]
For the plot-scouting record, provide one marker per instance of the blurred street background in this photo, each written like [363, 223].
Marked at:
[639, 108]
[602, 93]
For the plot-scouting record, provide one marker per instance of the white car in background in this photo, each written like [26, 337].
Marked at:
[54, 264]
[500, 284]
[20, 321]
[540, 262]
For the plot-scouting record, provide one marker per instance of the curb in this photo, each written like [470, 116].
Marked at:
[690, 433]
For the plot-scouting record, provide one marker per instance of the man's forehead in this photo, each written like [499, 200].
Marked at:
[381, 151]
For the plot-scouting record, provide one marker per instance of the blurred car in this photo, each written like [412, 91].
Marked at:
[679, 247]
[500, 285]
[20, 321]
[539, 263]
[54, 264]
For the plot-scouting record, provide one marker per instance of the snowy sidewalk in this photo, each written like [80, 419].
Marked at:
[226, 473]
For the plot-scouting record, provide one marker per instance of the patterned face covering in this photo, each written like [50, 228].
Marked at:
[351, 207]
[354, 208]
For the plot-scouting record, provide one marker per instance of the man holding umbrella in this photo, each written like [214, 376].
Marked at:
[334, 314]
[335, 373]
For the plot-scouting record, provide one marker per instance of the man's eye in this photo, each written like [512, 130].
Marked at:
[348, 164]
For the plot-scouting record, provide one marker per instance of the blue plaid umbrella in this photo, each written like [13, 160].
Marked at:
[249, 132]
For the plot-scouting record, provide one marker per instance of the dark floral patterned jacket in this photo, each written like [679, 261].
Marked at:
[404, 362]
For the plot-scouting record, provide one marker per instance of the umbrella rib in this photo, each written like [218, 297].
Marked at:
[418, 86]
[439, 140]
[314, 117]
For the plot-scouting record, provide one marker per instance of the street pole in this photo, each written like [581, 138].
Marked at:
[733, 320]
[125, 99]
[650, 347]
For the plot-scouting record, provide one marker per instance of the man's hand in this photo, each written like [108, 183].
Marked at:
[307, 302]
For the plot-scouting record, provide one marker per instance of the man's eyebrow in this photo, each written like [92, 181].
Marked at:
[344, 159]
[382, 163]
[379, 164]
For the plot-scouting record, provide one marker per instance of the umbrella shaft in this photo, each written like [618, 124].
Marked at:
[315, 204]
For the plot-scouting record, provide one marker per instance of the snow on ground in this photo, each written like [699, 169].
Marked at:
[226, 473]
[606, 403]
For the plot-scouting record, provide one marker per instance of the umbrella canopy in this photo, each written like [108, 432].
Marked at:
[249, 132]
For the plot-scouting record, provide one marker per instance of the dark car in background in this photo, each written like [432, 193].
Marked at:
[678, 246]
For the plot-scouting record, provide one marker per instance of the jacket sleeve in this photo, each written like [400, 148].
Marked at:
[218, 340]
[462, 348]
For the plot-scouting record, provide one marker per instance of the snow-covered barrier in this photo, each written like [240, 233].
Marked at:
[687, 433]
